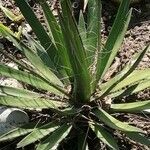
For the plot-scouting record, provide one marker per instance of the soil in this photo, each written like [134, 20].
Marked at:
[137, 37]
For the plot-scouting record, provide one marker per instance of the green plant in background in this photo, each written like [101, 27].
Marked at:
[70, 62]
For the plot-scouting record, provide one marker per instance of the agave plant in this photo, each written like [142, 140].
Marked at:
[67, 64]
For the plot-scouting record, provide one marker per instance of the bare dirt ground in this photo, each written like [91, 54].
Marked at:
[137, 37]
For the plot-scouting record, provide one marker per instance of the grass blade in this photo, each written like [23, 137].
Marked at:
[105, 136]
[55, 138]
[131, 107]
[37, 134]
[114, 123]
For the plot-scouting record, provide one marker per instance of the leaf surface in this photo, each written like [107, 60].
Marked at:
[55, 138]
[39, 103]
[17, 132]
[40, 32]
[114, 123]
[114, 40]
[131, 107]
[27, 78]
[5, 90]
[76, 53]
[140, 138]
[105, 136]
[37, 134]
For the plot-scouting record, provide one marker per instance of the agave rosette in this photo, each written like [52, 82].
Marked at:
[62, 58]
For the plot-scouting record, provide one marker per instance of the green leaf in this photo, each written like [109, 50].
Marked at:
[37, 48]
[36, 61]
[39, 31]
[132, 89]
[76, 53]
[55, 138]
[82, 29]
[6, 29]
[37, 134]
[57, 36]
[131, 107]
[140, 138]
[82, 141]
[114, 123]
[105, 136]
[39, 103]
[133, 78]
[93, 42]
[27, 78]
[127, 70]
[5, 90]
[10, 14]
[17, 132]
[21, 63]
[114, 40]
[93, 30]
[141, 86]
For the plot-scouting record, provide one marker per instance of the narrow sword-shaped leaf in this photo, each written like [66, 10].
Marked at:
[93, 30]
[132, 89]
[27, 78]
[40, 51]
[141, 86]
[134, 79]
[140, 138]
[55, 138]
[39, 103]
[76, 54]
[57, 36]
[32, 57]
[37, 134]
[128, 69]
[105, 136]
[114, 123]
[82, 29]
[114, 40]
[129, 80]
[17, 132]
[10, 14]
[82, 141]
[39, 31]
[18, 92]
[131, 107]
